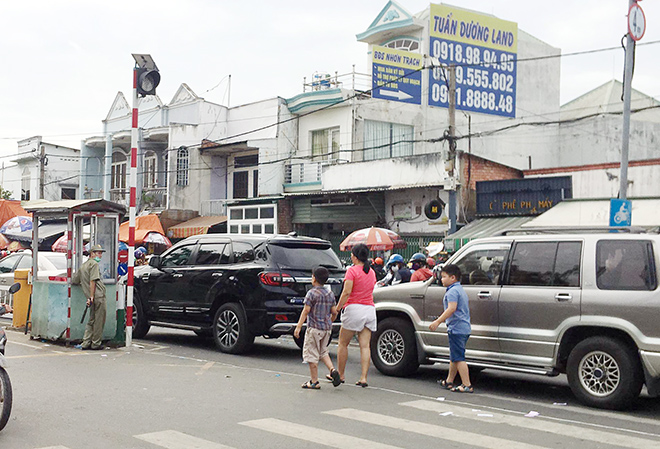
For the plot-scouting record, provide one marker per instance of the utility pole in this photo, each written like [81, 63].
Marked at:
[451, 157]
[42, 171]
[636, 28]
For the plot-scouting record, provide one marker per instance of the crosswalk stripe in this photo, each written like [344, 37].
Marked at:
[171, 439]
[314, 434]
[445, 433]
[571, 408]
[537, 423]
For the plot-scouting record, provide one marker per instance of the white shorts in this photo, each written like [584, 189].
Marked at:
[356, 317]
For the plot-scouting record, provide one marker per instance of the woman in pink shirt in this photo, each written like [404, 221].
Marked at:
[359, 315]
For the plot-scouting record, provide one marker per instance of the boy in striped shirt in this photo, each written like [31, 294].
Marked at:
[320, 311]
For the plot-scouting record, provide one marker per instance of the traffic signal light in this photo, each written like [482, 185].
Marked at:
[147, 81]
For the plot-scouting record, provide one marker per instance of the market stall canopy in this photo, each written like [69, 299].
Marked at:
[46, 231]
[196, 226]
[482, 227]
[10, 209]
[143, 226]
[596, 213]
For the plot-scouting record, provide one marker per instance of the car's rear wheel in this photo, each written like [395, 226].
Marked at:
[230, 329]
[604, 372]
[140, 322]
[393, 347]
[5, 398]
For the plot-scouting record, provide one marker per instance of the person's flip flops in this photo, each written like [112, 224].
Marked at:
[336, 379]
[463, 389]
[309, 385]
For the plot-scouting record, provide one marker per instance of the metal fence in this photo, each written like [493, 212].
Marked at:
[416, 244]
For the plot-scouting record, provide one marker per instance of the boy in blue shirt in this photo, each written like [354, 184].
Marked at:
[457, 317]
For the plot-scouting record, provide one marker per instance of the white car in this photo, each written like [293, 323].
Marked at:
[50, 264]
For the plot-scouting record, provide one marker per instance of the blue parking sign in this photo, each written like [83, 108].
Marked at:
[620, 212]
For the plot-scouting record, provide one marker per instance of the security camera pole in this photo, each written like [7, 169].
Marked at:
[145, 80]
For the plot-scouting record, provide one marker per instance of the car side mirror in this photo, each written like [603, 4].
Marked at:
[154, 261]
[16, 286]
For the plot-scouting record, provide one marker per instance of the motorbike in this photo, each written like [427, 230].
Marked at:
[5, 384]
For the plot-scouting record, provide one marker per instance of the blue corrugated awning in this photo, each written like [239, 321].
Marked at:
[482, 227]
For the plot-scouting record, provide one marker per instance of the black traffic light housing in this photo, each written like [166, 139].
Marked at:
[147, 81]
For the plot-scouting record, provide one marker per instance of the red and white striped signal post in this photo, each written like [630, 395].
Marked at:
[145, 81]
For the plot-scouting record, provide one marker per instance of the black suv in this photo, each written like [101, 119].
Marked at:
[232, 287]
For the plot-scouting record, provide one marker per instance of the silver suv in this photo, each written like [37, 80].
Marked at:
[583, 304]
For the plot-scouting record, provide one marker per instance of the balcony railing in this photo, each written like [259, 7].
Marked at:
[213, 208]
[154, 198]
[302, 173]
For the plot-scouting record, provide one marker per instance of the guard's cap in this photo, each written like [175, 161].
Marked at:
[96, 248]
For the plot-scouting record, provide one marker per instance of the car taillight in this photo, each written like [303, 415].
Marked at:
[276, 279]
[57, 278]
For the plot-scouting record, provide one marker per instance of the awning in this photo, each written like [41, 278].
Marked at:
[46, 230]
[143, 226]
[196, 226]
[596, 212]
[482, 227]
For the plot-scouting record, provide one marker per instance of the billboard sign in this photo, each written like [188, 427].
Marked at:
[396, 75]
[484, 50]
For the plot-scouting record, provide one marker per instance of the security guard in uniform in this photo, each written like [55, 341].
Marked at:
[89, 278]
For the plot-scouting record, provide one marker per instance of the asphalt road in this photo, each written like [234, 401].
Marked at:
[174, 390]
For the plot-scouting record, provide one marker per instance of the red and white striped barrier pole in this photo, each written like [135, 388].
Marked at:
[131, 214]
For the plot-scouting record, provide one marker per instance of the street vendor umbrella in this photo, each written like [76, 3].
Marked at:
[15, 246]
[17, 224]
[60, 244]
[157, 238]
[376, 239]
[4, 242]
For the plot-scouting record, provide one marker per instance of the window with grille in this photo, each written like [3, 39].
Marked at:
[149, 170]
[182, 166]
[384, 140]
[119, 166]
[25, 185]
[406, 44]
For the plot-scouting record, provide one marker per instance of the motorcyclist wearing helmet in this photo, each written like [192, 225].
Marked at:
[140, 256]
[419, 264]
[5, 308]
[377, 266]
[397, 271]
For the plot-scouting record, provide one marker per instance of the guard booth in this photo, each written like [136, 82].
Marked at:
[56, 305]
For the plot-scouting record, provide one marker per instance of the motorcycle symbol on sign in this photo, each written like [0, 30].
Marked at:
[623, 215]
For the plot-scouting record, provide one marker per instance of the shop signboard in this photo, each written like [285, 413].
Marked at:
[396, 75]
[484, 50]
[515, 197]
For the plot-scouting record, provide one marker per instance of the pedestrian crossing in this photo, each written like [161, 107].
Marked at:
[441, 423]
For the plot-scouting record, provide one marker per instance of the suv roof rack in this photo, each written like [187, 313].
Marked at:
[574, 230]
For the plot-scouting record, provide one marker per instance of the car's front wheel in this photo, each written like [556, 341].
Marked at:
[140, 322]
[393, 347]
[230, 329]
[604, 372]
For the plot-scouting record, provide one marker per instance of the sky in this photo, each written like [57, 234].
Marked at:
[63, 62]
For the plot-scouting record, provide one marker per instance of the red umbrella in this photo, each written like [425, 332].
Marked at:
[376, 239]
[60, 244]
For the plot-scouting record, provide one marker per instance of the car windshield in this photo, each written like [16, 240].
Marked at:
[304, 256]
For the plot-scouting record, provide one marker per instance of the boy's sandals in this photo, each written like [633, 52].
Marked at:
[463, 389]
[361, 384]
[309, 385]
[447, 385]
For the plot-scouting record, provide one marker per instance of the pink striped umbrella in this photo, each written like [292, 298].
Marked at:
[376, 239]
